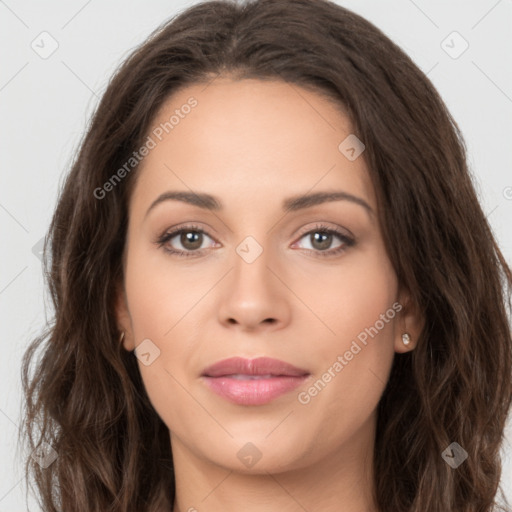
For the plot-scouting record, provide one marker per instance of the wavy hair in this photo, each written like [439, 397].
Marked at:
[83, 393]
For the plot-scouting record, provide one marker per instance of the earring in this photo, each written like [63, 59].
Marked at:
[121, 338]
[406, 338]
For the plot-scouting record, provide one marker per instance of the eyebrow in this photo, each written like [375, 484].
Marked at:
[295, 203]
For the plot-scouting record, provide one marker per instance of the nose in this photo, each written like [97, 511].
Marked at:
[254, 297]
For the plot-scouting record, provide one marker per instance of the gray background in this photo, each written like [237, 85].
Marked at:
[45, 104]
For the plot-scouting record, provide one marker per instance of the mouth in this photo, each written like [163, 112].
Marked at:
[252, 381]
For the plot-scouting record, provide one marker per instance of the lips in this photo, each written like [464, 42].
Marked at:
[261, 366]
[252, 381]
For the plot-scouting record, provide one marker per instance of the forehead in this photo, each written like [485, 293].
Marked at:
[248, 141]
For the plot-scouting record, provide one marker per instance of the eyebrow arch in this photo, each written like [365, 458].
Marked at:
[209, 202]
[308, 200]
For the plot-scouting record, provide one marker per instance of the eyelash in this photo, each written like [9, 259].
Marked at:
[319, 228]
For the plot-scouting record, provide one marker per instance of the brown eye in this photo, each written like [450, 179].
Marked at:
[186, 241]
[191, 240]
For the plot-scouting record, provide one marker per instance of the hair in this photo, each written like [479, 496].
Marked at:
[85, 397]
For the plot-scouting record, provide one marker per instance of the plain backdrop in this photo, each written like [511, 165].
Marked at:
[46, 101]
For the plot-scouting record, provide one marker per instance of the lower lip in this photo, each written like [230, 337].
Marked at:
[252, 391]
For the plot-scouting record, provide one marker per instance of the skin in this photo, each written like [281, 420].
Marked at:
[252, 144]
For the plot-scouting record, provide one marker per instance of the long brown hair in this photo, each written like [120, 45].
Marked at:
[85, 396]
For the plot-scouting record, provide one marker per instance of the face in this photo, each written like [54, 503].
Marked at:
[259, 272]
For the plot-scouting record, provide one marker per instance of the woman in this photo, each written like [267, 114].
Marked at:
[274, 286]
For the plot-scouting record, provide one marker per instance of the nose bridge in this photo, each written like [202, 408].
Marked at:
[251, 262]
[253, 295]
[250, 249]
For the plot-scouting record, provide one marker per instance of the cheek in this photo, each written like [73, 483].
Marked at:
[348, 298]
[161, 300]
[353, 364]
[160, 291]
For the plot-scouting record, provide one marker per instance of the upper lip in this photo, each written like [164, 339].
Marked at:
[258, 366]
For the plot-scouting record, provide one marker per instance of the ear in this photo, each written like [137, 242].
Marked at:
[410, 320]
[123, 318]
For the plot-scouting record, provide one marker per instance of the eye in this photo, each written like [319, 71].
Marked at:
[321, 239]
[191, 238]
